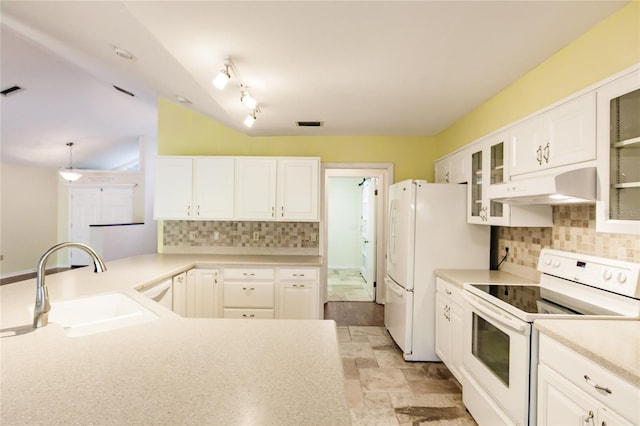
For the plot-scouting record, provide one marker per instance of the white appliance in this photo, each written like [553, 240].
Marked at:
[500, 346]
[160, 293]
[574, 186]
[427, 230]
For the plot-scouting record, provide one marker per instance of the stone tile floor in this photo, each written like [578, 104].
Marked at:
[346, 285]
[383, 389]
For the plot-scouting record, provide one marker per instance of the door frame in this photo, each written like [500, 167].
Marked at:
[384, 173]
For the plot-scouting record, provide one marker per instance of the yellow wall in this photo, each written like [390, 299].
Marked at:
[606, 49]
[184, 132]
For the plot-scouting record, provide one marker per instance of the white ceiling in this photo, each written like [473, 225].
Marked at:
[363, 68]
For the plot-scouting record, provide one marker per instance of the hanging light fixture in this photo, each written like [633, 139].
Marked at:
[222, 78]
[247, 99]
[251, 118]
[69, 174]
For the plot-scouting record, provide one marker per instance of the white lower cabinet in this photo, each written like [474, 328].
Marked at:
[573, 390]
[246, 293]
[297, 291]
[208, 294]
[184, 294]
[449, 300]
[249, 292]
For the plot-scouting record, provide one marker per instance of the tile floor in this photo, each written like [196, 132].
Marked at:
[347, 285]
[383, 389]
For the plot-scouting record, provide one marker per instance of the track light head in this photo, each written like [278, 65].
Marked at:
[251, 118]
[247, 99]
[222, 78]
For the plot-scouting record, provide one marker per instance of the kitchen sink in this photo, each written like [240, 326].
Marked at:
[95, 314]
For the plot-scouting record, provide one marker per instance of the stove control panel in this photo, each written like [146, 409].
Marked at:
[608, 274]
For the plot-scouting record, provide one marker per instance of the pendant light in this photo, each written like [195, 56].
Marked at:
[69, 174]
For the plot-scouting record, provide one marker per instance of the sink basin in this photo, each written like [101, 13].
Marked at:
[95, 314]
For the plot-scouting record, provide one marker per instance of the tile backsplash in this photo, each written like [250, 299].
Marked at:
[574, 230]
[239, 237]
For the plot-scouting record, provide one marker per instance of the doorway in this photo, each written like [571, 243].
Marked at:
[353, 231]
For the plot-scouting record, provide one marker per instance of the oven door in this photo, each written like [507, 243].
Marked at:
[496, 358]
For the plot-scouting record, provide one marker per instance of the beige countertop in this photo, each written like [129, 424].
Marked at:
[614, 344]
[171, 370]
[480, 276]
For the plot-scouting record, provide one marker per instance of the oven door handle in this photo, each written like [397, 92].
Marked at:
[490, 312]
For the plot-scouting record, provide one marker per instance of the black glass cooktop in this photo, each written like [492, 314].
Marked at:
[534, 299]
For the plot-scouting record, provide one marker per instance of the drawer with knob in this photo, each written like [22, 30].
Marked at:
[248, 295]
[236, 313]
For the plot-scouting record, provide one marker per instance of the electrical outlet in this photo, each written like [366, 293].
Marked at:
[216, 236]
[256, 236]
[192, 235]
[314, 237]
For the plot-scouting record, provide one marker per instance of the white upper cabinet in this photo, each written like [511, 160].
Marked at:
[297, 191]
[237, 188]
[618, 205]
[284, 189]
[453, 168]
[174, 188]
[487, 167]
[255, 188]
[213, 188]
[560, 136]
[194, 188]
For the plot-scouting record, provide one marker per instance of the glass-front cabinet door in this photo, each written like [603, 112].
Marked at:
[487, 168]
[476, 193]
[618, 206]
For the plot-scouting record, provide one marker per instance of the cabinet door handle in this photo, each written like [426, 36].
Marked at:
[547, 152]
[273, 211]
[248, 288]
[448, 292]
[189, 210]
[282, 211]
[589, 419]
[446, 177]
[248, 316]
[248, 274]
[198, 211]
[539, 154]
[596, 386]
[298, 285]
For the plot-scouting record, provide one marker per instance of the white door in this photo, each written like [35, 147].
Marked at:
[368, 226]
[85, 211]
[401, 236]
[116, 205]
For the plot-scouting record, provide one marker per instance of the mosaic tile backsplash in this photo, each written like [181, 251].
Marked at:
[574, 230]
[268, 235]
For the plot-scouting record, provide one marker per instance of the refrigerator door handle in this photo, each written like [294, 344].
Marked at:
[391, 285]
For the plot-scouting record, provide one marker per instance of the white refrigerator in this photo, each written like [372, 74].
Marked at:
[427, 230]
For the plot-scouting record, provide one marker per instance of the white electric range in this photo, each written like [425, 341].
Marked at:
[500, 347]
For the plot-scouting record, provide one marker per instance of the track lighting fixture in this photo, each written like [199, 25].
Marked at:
[69, 174]
[251, 118]
[223, 77]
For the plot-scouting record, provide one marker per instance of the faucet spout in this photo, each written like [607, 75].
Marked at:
[42, 307]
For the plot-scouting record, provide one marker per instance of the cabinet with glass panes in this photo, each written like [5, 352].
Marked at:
[618, 109]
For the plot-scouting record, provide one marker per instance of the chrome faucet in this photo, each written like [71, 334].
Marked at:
[42, 308]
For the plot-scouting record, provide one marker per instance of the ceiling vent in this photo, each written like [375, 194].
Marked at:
[11, 90]
[120, 89]
[310, 123]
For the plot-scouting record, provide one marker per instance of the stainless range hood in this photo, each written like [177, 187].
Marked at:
[572, 187]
